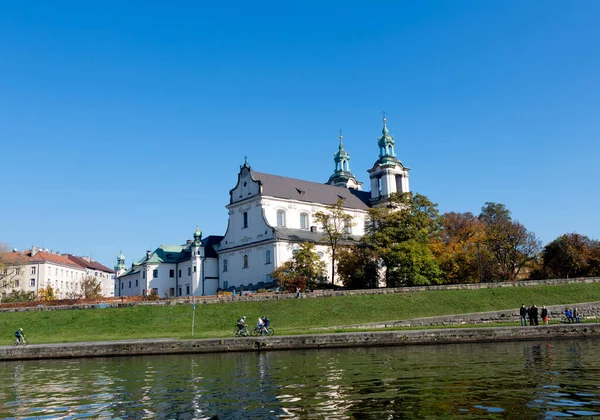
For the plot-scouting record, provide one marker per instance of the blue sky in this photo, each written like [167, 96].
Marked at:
[123, 124]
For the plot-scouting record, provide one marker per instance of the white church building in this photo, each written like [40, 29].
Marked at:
[269, 217]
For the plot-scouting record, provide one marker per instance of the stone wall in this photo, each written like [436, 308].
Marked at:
[320, 341]
[590, 310]
[260, 297]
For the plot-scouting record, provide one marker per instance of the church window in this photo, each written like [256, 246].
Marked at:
[280, 218]
[32, 270]
[268, 257]
[320, 254]
[304, 221]
[246, 261]
[189, 271]
[155, 273]
[143, 274]
[194, 269]
[245, 219]
[224, 265]
[171, 273]
[136, 283]
[130, 284]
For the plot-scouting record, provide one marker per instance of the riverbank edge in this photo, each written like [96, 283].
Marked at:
[299, 342]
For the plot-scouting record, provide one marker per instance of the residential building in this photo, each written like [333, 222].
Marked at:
[172, 270]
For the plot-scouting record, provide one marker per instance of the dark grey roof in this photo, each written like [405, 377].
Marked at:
[312, 192]
[209, 242]
[303, 235]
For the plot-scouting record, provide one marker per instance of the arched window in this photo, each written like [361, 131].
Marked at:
[304, 221]
[224, 265]
[268, 257]
[280, 218]
[246, 261]
[245, 219]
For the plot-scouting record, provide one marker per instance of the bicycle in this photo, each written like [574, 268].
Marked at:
[241, 333]
[23, 342]
[258, 331]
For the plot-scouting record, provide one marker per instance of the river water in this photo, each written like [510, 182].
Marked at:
[497, 380]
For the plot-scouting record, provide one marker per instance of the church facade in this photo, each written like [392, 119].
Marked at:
[270, 216]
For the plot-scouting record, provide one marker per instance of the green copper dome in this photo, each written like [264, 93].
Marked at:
[197, 234]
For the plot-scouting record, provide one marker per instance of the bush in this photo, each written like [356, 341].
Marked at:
[18, 295]
[153, 295]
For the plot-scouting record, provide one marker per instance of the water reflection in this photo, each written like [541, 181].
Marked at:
[499, 380]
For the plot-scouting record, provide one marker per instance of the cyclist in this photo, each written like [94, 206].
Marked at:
[20, 335]
[241, 324]
[259, 325]
[266, 322]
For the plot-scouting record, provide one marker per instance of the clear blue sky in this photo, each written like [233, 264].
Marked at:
[123, 123]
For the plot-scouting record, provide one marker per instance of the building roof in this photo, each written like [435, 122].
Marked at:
[92, 265]
[209, 242]
[14, 257]
[312, 192]
[179, 253]
[54, 258]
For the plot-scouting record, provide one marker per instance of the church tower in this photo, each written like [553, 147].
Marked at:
[120, 268]
[388, 175]
[342, 177]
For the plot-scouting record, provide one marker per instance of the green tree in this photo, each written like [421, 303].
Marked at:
[304, 270]
[570, 255]
[509, 246]
[399, 234]
[336, 224]
[358, 267]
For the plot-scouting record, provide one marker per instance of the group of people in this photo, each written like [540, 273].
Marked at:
[572, 316]
[262, 324]
[532, 315]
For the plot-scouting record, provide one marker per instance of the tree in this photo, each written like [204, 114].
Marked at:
[303, 270]
[336, 224]
[458, 247]
[570, 255]
[358, 267]
[399, 234]
[509, 246]
[90, 288]
[47, 293]
[11, 264]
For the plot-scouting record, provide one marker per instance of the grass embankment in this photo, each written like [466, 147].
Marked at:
[294, 316]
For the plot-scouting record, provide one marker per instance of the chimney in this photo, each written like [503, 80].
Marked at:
[148, 253]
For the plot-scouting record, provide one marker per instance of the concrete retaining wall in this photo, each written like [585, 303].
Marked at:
[321, 341]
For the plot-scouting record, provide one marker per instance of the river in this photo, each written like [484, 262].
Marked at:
[494, 380]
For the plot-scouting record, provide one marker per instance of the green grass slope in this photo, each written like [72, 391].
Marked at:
[292, 316]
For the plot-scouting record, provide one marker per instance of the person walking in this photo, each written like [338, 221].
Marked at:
[297, 292]
[576, 316]
[545, 315]
[523, 314]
